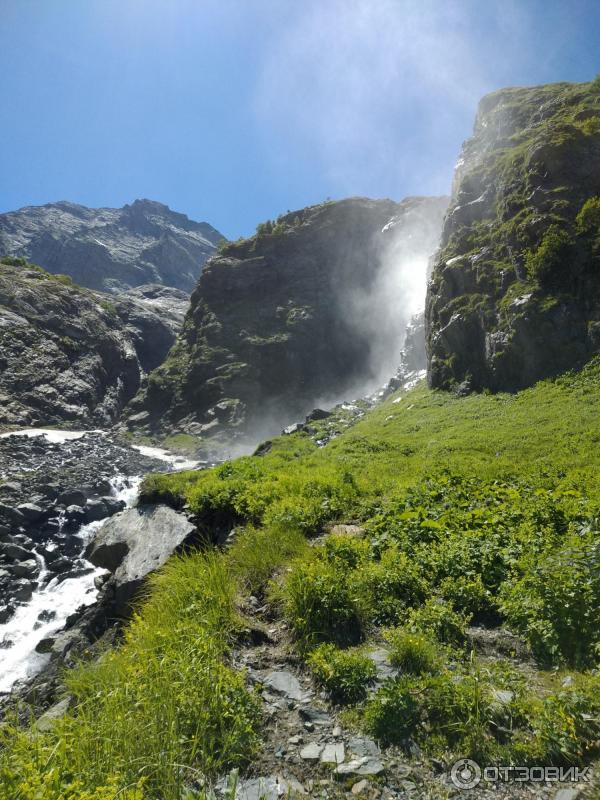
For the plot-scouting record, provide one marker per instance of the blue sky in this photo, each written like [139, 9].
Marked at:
[237, 110]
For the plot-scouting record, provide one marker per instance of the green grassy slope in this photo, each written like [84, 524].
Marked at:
[481, 509]
[552, 427]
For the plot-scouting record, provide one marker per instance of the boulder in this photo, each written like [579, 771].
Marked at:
[31, 512]
[26, 569]
[6, 612]
[14, 551]
[134, 543]
[103, 507]
[95, 510]
[47, 720]
[72, 497]
[285, 683]
[11, 515]
[75, 515]
[60, 565]
[23, 589]
[317, 414]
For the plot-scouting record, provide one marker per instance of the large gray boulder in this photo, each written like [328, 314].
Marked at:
[133, 544]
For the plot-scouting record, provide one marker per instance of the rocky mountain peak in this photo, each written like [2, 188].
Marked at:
[111, 249]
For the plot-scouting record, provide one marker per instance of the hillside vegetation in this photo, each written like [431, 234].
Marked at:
[460, 512]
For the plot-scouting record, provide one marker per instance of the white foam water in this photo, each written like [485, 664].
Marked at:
[25, 630]
[178, 462]
[53, 435]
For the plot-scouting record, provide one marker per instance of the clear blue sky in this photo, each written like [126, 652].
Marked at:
[234, 111]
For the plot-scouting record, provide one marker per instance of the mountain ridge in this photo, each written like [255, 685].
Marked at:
[111, 249]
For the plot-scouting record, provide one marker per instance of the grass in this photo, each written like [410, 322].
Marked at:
[154, 714]
[549, 429]
[477, 508]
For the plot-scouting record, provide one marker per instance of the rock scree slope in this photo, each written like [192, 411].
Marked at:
[111, 249]
[515, 291]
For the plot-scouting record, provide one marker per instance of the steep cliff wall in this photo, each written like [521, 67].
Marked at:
[515, 291]
[292, 317]
[70, 354]
[111, 249]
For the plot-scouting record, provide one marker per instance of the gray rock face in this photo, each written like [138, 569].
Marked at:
[61, 353]
[111, 249]
[507, 304]
[70, 354]
[134, 543]
[288, 318]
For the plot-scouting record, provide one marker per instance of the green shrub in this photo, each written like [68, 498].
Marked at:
[348, 551]
[556, 602]
[17, 261]
[437, 618]
[321, 606]
[567, 726]
[413, 652]
[344, 674]
[551, 263]
[392, 715]
[389, 586]
[588, 219]
[468, 596]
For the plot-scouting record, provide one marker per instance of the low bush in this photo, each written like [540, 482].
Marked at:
[554, 600]
[413, 653]
[550, 264]
[437, 618]
[392, 715]
[347, 551]
[387, 587]
[468, 596]
[588, 218]
[321, 606]
[344, 674]
[567, 725]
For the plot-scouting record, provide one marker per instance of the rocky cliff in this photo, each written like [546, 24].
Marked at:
[67, 353]
[111, 249]
[515, 291]
[294, 316]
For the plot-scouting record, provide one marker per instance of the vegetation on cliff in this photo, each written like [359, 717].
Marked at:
[515, 287]
[465, 511]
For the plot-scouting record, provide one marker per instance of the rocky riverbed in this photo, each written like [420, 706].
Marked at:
[57, 488]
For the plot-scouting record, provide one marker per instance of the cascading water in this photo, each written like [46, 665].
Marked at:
[57, 597]
[52, 604]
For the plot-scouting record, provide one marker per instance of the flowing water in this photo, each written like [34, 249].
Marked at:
[46, 613]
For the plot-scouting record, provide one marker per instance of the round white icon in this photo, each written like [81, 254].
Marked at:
[465, 773]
